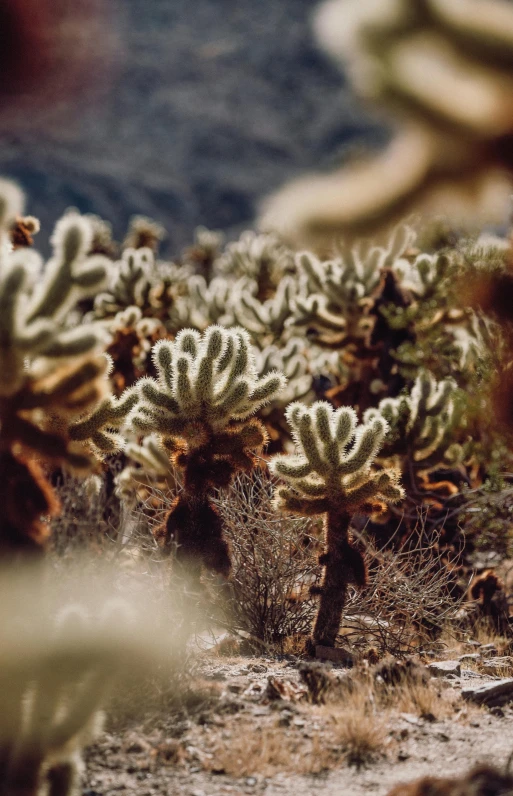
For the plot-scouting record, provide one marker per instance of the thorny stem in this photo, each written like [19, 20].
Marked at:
[337, 576]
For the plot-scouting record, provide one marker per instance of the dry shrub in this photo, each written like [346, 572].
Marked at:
[408, 601]
[274, 562]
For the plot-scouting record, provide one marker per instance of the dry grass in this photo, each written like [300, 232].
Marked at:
[358, 728]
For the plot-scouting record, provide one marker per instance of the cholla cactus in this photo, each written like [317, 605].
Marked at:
[423, 275]
[204, 252]
[144, 233]
[264, 318]
[262, 258]
[205, 303]
[133, 336]
[450, 151]
[51, 376]
[57, 670]
[291, 360]
[331, 474]
[149, 467]
[138, 280]
[130, 283]
[419, 422]
[200, 406]
[335, 296]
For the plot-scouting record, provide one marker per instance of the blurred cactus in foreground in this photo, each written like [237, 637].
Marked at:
[331, 475]
[58, 668]
[454, 130]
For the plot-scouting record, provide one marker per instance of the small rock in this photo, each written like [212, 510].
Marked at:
[496, 693]
[250, 781]
[334, 654]
[258, 668]
[473, 644]
[136, 745]
[410, 718]
[444, 668]
[497, 711]
[470, 656]
[401, 756]
[498, 664]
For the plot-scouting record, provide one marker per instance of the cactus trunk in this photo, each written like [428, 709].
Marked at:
[338, 573]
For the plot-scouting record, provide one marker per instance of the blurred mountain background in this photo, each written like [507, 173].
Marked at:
[213, 104]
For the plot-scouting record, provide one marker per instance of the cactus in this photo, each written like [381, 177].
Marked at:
[292, 361]
[58, 667]
[206, 303]
[262, 258]
[52, 378]
[422, 443]
[331, 474]
[336, 296]
[144, 233]
[204, 252]
[138, 280]
[453, 133]
[267, 319]
[201, 406]
[419, 422]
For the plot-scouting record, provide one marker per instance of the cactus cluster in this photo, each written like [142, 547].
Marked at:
[262, 258]
[419, 422]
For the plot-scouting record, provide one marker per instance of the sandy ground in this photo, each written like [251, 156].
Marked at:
[188, 753]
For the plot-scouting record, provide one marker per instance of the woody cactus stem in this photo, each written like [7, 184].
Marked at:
[200, 406]
[331, 474]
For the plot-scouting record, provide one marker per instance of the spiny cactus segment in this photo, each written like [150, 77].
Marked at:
[264, 318]
[419, 422]
[331, 474]
[262, 258]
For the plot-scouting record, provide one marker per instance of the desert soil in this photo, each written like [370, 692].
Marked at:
[234, 741]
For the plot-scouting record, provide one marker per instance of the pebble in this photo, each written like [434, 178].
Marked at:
[496, 693]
